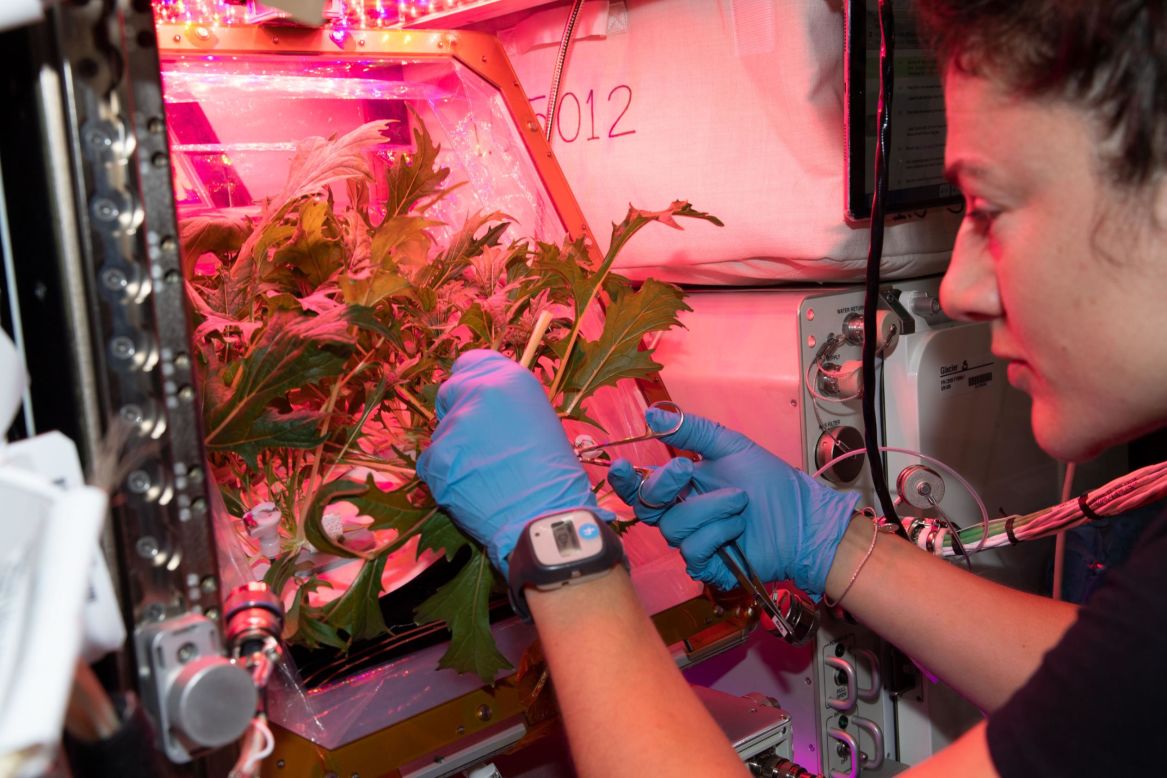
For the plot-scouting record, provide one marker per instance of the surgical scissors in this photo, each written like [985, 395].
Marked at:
[801, 618]
[590, 454]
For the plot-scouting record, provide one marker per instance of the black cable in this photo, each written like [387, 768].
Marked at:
[874, 255]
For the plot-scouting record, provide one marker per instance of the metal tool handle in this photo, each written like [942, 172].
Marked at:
[796, 624]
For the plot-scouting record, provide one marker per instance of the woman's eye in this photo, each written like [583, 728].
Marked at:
[981, 216]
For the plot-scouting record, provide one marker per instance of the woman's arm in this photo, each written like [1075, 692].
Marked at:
[980, 637]
[627, 708]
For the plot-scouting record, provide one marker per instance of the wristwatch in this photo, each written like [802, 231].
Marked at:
[559, 550]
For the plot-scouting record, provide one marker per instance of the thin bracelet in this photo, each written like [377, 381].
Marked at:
[858, 569]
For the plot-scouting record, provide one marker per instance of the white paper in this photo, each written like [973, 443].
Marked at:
[14, 13]
[45, 562]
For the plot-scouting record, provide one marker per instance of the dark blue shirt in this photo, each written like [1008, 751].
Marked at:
[1091, 708]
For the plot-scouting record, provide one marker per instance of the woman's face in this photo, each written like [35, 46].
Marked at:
[1070, 275]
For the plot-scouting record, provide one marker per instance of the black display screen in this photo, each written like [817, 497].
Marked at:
[565, 537]
[916, 157]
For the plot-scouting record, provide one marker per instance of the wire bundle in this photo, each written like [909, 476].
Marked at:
[1123, 494]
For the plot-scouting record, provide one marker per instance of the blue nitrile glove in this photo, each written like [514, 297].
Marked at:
[787, 524]
[499, 457]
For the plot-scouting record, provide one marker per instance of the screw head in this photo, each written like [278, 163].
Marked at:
[483, 713]
[132, 414]
[122, 347]
[147, 547]
[105, 210]
[98, 138]
[138, 482]
[114, 280]
[187, 652]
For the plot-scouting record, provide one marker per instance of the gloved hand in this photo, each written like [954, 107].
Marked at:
[499, 457]
[788, 525]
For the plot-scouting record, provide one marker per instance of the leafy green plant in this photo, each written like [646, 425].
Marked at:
[323, 332]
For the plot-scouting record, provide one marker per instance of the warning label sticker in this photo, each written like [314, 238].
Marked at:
[961, 377]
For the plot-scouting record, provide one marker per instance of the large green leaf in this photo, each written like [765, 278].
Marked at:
[391, 510]
[271, 429]
[306, 624]
[637, 218]
[358, 611]
[314, 518]
[441, 534]
[412, 177]
[564, 273]
[616, 353]
[218, 235]
[293, 352]
[315, 248]
[371, 286]
[364, 318]
[242, 288]
[401, 239]
[463, 604]
[319, 162]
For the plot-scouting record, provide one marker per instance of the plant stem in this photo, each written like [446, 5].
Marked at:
[537, 333]
[328, 408]
[597, 283]
[414, 403]
[619, 238]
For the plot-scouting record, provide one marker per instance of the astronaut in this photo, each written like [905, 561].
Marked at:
[1057, 136]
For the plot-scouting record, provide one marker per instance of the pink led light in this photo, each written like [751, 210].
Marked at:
[350, 15]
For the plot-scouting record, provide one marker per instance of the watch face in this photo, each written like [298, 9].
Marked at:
[565, 538]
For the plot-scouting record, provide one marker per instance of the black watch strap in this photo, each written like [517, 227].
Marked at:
[560, 550]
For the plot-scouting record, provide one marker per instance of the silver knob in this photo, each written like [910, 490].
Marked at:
[211, 702]
[922, 304]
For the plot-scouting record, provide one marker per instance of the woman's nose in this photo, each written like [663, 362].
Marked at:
[969, 289]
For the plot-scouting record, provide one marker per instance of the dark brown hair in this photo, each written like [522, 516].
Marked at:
[1107, 56]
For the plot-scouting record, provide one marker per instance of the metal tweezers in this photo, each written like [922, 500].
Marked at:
[590, 455]
[745, 575]
[749, 581]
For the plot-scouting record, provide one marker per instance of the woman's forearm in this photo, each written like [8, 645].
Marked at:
[627, 709]
[980, 637]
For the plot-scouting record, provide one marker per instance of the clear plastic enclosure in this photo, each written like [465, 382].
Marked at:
[246, 125]
[235, 122]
